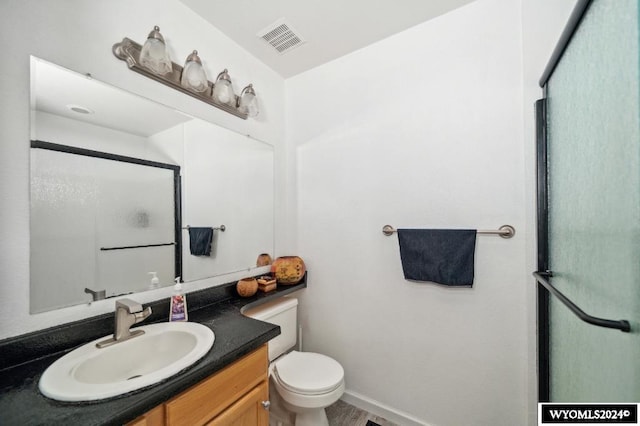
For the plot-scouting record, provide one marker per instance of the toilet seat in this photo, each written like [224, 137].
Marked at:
[308, 373]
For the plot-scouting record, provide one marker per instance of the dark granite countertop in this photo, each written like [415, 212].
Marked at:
[23, 359]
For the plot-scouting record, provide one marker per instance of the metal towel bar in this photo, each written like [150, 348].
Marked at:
[505, 231]
[622, 325]
[135, 247]
[219, 228]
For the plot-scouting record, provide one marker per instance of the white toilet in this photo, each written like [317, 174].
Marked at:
[306, 382]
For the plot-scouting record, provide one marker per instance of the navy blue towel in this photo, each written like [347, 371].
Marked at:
[200, 241]
[444, 256]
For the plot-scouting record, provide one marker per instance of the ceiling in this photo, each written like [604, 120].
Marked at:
[330, 28]
[56, 90]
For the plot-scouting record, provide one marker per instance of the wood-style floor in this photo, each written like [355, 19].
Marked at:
[338, 414]
[343, 414]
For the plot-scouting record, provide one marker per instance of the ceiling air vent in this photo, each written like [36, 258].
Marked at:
[281, 36]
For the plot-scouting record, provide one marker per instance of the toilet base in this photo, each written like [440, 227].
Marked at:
[308, 409]
[284, 414]
[308, 416]
[279, 415]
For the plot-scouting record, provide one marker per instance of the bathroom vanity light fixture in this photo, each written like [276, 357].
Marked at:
[153, 61]
[193, 75]
[247, 102]
[154, 54]
[223, 89]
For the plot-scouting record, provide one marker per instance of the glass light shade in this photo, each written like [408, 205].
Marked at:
[223, 89]
[154, 53]
[193, 75]
[248, 102]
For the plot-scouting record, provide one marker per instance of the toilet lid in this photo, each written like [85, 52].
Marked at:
[308, 372]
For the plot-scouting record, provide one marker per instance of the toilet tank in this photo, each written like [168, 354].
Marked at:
[282, 312]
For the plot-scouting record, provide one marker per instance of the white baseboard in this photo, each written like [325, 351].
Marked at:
[379, 409]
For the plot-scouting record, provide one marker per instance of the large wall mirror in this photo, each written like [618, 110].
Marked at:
[117, 181]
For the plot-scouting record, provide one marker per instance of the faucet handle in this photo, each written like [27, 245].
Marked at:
[96, 294]
[131, 306]
[142, 315]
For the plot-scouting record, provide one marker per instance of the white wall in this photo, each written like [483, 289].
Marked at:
[58, 129]
[227, 180]
[79, 34]
[423, 129]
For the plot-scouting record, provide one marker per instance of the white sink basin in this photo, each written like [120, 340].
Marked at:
[88, 373]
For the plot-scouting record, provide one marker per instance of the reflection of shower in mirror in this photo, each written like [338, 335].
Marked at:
[221, 172]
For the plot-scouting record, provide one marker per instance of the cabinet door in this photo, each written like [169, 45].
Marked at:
[248, 411]
[212, 396]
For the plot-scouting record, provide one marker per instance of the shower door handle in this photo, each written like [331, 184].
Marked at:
[541, 277]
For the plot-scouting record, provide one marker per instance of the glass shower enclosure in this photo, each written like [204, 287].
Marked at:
[589, 209]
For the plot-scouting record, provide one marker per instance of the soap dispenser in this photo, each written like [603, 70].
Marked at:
[178, 309]
[155, 282]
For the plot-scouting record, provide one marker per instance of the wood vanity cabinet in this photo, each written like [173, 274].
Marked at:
[233, 396]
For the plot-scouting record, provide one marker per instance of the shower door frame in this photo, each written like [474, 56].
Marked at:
[544, 367]
[177, 187]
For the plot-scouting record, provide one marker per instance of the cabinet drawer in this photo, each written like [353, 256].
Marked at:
[199, 404]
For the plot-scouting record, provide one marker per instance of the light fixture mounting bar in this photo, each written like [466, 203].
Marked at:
[129, 51]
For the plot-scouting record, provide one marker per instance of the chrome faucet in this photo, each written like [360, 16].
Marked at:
[96, 294]
[128, 313]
